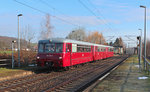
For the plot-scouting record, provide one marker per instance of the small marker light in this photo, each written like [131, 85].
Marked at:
[50, 40]
[38, 57]
[60, 57]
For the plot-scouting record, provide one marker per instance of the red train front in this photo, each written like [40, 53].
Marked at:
[58, 52]
[50, 53]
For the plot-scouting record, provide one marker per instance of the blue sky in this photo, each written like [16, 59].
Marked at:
[115, 17]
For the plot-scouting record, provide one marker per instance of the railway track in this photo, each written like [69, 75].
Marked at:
[148, 57]
[71, 80]
[5, 62]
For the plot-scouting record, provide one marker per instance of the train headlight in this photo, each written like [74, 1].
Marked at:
[60, 57]
[38, 57]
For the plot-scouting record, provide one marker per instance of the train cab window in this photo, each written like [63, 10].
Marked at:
[41, 48]
[50, 47]
[59, 48]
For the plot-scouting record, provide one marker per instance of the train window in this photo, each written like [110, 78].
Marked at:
[110, 49]
[103, 49]
[83, 48]
[41, 48]
[99, 49]
[113, 49]
[50, 47]
[95, 48]
[66, 47]
[89, 49]
[74, 47]
[59, 48]
[79, 49]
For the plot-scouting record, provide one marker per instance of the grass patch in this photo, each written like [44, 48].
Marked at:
[27, 68]
[7, 52]
[4, 70]
[9, 72]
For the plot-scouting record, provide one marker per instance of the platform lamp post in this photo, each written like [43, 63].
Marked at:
[140, 48]
[144, 35]
[19, 41]
[13, 53]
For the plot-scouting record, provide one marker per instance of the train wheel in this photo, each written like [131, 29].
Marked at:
[66, 68]
[82, 64]
[50, 69]
[76, 66]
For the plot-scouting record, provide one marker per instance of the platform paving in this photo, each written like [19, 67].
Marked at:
[125, 79]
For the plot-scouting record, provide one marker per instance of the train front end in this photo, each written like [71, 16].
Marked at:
[50, 53]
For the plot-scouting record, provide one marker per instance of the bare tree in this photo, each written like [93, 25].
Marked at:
[27, 36]
[3, 45]
[96, 37]
[111, 43]
[46, 28]
[23, 41]
[30, 36]
[119, 42]
[77, 34]
[148, 48]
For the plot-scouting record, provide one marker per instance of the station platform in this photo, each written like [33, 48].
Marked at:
[126, 78]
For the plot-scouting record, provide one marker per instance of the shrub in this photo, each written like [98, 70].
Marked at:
[26, 57]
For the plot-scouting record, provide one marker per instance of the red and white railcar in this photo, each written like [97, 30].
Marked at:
[58, 52]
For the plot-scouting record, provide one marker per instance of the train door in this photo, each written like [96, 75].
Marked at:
[93, 52]
[107, 52]
[68, 54]
[96, 52]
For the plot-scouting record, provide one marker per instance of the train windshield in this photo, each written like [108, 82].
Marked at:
[41, 48]
[50, 47]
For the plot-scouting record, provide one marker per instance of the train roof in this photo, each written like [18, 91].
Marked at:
[63, 40]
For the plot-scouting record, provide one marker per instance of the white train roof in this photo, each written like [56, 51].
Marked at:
[62, 40]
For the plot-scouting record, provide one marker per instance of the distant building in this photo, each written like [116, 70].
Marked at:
[135, 50]
[118, 50]
[130, 51]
